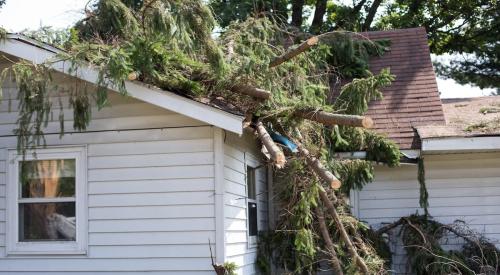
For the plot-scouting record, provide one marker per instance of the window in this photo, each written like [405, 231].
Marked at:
[46, 202]
[252, 204]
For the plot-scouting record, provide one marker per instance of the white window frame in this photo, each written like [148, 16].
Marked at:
[253, 163]
[79, 246]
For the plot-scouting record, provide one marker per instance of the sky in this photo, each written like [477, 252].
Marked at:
[17, 15]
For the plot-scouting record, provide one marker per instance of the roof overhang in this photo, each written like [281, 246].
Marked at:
[460, 144]
[37, 52]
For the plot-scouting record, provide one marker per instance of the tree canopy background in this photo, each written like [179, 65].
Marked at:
[469, 30]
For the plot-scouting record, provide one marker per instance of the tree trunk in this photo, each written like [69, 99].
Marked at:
[276, 154]
[335, 263]
[251, 91]
[358, 7]
[319, 13]
[294, 51]
[343, 233]
[371, 14]
[297, 6]
[336, 119]
[318, 168]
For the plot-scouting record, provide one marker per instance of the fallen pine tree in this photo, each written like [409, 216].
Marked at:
[284, 91]
[424, 238]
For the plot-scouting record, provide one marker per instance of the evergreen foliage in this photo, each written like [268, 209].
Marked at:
[169, 44]
[423, 238]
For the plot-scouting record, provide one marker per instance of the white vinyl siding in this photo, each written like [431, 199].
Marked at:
[238, 248]
[150, 193]
[461, 186]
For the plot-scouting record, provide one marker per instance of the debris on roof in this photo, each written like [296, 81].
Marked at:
[476, 116]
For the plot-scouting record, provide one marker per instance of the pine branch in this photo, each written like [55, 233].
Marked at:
[336, 119]
[335, 262]
[343, 233]
[251, 91]
[318, 168]
[294, 51]
[276, 153]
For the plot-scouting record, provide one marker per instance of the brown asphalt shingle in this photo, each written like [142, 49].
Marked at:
[413, 98]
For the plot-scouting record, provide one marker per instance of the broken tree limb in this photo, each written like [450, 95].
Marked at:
[318, 168]
[330, 119]
[335, 262]
[251, 91]
[276, 153]
[294, 51]
[343, 233]
[218, 268]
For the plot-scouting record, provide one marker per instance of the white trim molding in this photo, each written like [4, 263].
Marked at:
[252, 161]
[220, 231]
[461, 144]
[77, 247]
[37, 52]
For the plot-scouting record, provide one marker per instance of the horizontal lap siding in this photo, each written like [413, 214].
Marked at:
[461, 187]
[150, 193]
[238, 249]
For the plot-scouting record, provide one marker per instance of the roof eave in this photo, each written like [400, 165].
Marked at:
[37, 52]
[438, 145]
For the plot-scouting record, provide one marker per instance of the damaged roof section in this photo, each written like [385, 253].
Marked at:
[413, 98]
[467, 117]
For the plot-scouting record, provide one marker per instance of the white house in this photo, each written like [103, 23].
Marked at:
[154, 179]
[157, 176]
[459, 140]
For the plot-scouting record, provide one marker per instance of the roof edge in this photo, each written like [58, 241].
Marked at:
[38, 52]
[461, 144]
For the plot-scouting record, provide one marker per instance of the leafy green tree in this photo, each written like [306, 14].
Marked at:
[469, 29]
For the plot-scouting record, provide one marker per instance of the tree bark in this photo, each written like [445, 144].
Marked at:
[343, 233]
[294, 51]
[336, 119]
[251, 91]
[319, 13]
[341, 23]
[318, 168]
[297, 6]
[276, 153]
[335, 263]
[371, 14]
[358, 7]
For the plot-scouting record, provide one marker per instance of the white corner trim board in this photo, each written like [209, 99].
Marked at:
[36, 52]
[220, 234]
[461, 144]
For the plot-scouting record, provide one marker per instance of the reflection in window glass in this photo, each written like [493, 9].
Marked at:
[47, 222]
[251, 183]
[252, 219]
[47, 201]
[47, 178]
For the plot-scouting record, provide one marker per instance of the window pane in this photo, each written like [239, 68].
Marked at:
[252, 219]
[47, 222]
[251, 183]
[47, 178]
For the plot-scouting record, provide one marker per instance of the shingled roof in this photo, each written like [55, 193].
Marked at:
[467, 117]
[413, 98]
